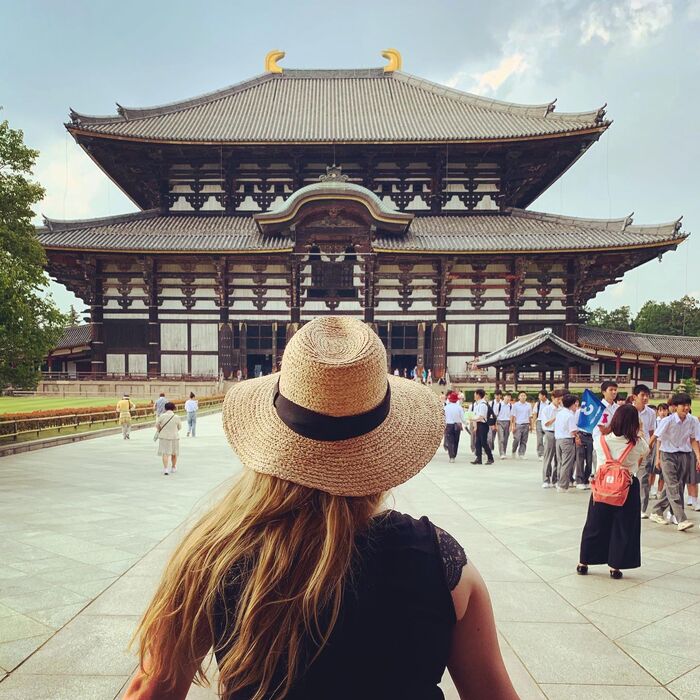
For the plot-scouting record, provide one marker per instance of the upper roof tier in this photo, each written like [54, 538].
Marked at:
[340, 106]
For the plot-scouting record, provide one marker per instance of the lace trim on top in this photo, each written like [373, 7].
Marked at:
[454, 558]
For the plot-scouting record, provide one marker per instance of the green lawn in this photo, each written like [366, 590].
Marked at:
[21, 404]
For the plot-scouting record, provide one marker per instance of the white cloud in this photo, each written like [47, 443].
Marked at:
[633, 21]
[75, 187]
[489, 81]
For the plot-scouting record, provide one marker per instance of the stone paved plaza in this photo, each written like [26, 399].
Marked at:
[86, 529]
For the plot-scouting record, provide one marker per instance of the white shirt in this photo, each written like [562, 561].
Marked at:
[191, 405]
[481, 409]
[647, 418]
[675, 434]
[454, 413]
[605, 417]
[542, 406]
[565, 424]
[546, 414]
[521, 412]
[617, 444]
[501, 409]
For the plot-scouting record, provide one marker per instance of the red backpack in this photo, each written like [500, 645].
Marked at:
[611, 482]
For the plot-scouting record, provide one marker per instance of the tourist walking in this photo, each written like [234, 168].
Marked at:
[168, 431]
[542, 401]
[481, 426]
[549, 459]
[565, 431]
[191, 408]
[124, 408]
[503, 424]
[521, 412]
[647, 419]
[495, 406]
[661, 413]
[159, 404]
[678, 454]
[291, 574]
[454, 423]
[611, 534]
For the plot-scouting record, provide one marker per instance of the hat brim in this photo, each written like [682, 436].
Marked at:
[385, 457]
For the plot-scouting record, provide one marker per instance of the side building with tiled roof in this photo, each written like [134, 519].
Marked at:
[371, 193]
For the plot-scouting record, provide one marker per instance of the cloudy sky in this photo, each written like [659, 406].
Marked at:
[642, 57]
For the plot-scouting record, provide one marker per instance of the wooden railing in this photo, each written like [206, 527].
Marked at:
[14, 430]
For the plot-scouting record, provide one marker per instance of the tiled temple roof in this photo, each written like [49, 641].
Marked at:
[514, 230]
[525, 344]
[321, 106]
[639, 343]
[75, 336]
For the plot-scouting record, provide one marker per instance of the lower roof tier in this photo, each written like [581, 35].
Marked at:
[512, 231]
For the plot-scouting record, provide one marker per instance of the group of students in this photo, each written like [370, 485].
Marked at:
[488, 422]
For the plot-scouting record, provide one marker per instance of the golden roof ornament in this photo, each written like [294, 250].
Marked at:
[394, 58]
[271, 61]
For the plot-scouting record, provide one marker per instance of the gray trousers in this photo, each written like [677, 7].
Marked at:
[126, 429]
[643, 473]
[503, 431]
[584, 458]
[549, 461]
[674, 470]
[566, 457]
[520, 438]
[540, 438]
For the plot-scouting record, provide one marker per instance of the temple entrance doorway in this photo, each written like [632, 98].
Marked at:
[259, 365]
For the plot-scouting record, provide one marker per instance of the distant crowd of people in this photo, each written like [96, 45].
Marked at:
[168, 425]
[422, 375]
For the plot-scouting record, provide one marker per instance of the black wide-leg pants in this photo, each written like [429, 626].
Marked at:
[612, 534]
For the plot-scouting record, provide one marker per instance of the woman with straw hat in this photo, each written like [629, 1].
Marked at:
[301, 582]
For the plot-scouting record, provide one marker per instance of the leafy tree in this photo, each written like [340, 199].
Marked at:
[74, 318]
[615, 319]
[30, 321]
[680, 317]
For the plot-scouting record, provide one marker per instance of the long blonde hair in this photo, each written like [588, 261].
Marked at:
[291, 549]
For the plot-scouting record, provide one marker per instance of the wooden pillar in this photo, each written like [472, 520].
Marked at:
[656, 373]
[274, 346]
[150, 276]
[571, 324]
[420, 360]
[369, 287]
[617, 362]
[566, 377]
[244, 349]
[694, 370]
[388, 348]
[551, 380]
[96, 285]
[294, 292]
[515, 378]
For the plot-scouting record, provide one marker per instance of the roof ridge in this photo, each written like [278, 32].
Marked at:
[644, 335]
[536, 110]
[68, 224]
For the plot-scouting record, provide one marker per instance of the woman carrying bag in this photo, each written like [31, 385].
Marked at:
[612, 533]
[168, 436]
[300, 579]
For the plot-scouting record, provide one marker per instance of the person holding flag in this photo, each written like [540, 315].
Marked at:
[587, 418]
[609, 391]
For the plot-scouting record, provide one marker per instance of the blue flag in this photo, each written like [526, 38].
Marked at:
[591, 410]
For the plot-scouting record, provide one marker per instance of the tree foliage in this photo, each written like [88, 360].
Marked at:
[680, 317]
[30, 321]
[74, 318]
[615, 319]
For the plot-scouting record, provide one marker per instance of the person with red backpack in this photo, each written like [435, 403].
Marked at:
[612, 531]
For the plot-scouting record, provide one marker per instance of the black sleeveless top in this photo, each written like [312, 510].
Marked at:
[392, 638]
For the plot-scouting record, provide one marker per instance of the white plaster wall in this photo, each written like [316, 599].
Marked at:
[457, 364]
[115, 363]
[173, 364]
[204, 336]
[492, 337]
[460, 337]
[138, 363]
[173, 336]
[205, 365]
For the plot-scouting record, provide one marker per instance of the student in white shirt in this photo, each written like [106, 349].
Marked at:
[609, 395]
[612, 533]
[647, 422]
[191, 408]
[481, 410]
[548, 415]
[454, 422]
[503, 424]
[496, 403]
[564, 434]
[521, 412]
[542, 401]
[678, 436]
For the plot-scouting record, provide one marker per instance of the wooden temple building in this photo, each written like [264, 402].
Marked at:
[368, 192]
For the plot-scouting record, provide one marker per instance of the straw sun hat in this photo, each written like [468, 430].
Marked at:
[332, 418]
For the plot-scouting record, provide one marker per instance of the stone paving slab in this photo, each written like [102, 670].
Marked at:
[86, 528]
